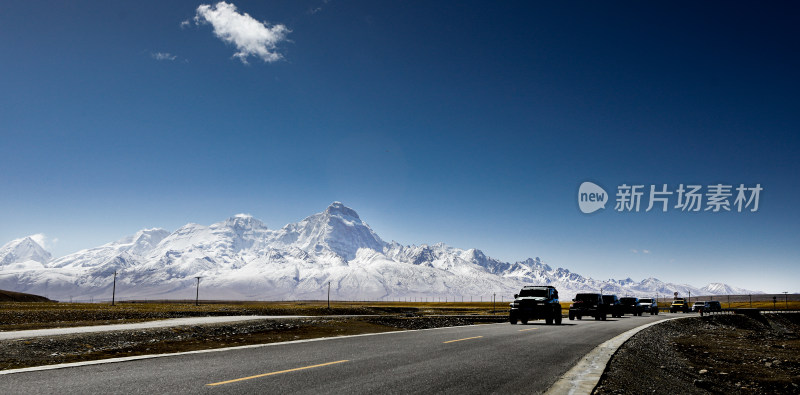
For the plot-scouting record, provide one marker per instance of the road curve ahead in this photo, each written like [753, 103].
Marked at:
[471, 359]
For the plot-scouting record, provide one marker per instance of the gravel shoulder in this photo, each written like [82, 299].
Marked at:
[709, 355]
[39, 351]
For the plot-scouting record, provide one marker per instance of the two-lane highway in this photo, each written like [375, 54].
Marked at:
[473, 359]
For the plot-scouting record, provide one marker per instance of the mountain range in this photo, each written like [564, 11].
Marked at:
[241, 259]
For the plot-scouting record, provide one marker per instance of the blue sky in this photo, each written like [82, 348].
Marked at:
[469, 123]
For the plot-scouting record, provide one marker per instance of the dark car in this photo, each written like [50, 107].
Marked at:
[588, 304]
[535, 303]
[649, 305]
[612, 305]
[709, 306]
[631, 306]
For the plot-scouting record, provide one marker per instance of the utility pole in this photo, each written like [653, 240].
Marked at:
[197, 296]
[329, 295]
[494, 297]
[751, 300]
[114, 289]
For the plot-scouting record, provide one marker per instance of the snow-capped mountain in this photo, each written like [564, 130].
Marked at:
[240, 258]
[23, 252]
[722, 289]
[338, 229]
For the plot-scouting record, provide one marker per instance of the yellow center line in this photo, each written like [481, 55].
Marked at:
[274, 373]
[523, 330]
[466, 338]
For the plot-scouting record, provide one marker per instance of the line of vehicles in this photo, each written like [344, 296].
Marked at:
[541, 302]
[682, 305]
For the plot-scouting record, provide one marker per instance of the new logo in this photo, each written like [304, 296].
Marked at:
[591, 197]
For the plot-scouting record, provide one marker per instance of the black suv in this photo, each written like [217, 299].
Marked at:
[588, 305]
[612, 305]
[631, 306]
[649, 306]
[535, 303]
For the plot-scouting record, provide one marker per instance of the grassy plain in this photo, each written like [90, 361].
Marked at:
[21, 316]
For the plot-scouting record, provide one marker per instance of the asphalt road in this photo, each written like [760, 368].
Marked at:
[492, 358]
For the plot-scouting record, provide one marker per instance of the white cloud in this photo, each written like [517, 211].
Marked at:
[251, 37]
[645, 251]
[163, 56]
[42, 240]
[185, 24]
[635, 251]
[319, 7]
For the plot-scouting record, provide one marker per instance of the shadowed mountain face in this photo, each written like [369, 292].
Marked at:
[241, 258]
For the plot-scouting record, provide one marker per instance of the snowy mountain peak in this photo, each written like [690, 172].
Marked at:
[147, 239]
[339, 209]
[23, 250]
[724, 289]
[244, 221]
[338, 229]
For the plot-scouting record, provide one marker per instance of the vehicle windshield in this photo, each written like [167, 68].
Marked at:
[586, 297]
[628, 300]
[534, 292]
[608, 299]
[645, 300]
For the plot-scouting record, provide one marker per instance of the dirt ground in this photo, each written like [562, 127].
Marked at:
[83, 347]
[719, 354]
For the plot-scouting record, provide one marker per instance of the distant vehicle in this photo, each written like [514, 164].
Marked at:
[612, 305]
[649, 305]
[713, 305]
[631, 306]
[679, 304]
[535, 303]
[588, 304]
[697, 306]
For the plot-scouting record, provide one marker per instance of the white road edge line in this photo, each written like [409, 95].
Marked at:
[585, 375]
[138, 357]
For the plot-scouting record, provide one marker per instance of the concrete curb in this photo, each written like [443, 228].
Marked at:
[585, 375]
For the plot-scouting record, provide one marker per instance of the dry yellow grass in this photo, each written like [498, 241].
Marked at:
[16, 315]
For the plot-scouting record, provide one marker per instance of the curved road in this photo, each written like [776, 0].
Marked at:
[499, 358]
